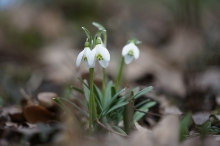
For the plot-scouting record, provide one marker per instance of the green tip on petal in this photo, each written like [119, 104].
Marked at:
[98, 41]
[87, 44]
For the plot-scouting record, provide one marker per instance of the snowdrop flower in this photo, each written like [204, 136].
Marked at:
[84, 55]
[129, 52]
[99, 53]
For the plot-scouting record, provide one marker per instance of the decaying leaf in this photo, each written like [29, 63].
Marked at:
[37, 113]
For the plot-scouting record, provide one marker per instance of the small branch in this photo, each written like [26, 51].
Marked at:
[23, 93]
[154, 114]
[98, 122]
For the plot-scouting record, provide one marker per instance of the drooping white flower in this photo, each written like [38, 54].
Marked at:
[101, 54]
[84, 55]
[129, 52]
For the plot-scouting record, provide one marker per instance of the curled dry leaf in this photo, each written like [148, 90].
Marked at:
[46, 99]
[37, 113]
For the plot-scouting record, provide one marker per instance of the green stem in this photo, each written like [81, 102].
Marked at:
[128, 114]
[105, 38]
[119, 74]
[103, 81]
[91, 75]
[92, 107]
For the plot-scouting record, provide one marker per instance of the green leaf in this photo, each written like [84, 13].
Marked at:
[86, 91]
[118, 129]
[134, 89]
[64, 108]
[98, 93]
[98, 34]
[110, 102]
[142, 103]
[99, 103]
[121, 99]
[80, 100]
[81, 110]
[184, 125]
[87, 33]
[142, 92]
[99, 26]
[107, 95]
[205, 127]
[77, 89]
[136, 41]
[145, 108]
[115, 107]
[86, 84]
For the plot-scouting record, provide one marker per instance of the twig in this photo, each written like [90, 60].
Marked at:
[147, 112]
[24, 94]
[98, 122]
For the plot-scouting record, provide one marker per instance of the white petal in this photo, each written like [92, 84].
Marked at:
[87, 64]
[126, 49]
[104, 52]
[93, 65]
[79, 58]
[91, 58]
[128, 59]
[136, 52]
[87, 52]
[104, 63]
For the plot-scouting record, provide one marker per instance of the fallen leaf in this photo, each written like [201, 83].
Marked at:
[37, 113]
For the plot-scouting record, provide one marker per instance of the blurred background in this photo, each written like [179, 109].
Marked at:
[180, 50]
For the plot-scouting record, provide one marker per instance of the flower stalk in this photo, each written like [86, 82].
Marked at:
[92, 106]
[119, 74]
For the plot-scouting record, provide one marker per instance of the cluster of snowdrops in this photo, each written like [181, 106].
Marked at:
[105, 108]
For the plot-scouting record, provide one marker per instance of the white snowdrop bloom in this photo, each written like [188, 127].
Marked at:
[129, 52]
[84, 55]
[101, 54]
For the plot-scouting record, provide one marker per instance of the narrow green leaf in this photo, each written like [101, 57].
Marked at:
[83, 82]
[110, 102]
[138, 115]
[86, 91]
[64, 108]
[205, 127]
[142, 92]
[136, 41]
[107, 95]
[98, 93]
[99, 26]
[142, 103]
[81, 110]
[98, 33]
[118, 129]
[184, 125]
[77, 89]
[134, 89]
[113, 91]
[87, 33]
[80, 100]
[115, 107]
[99, 103]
